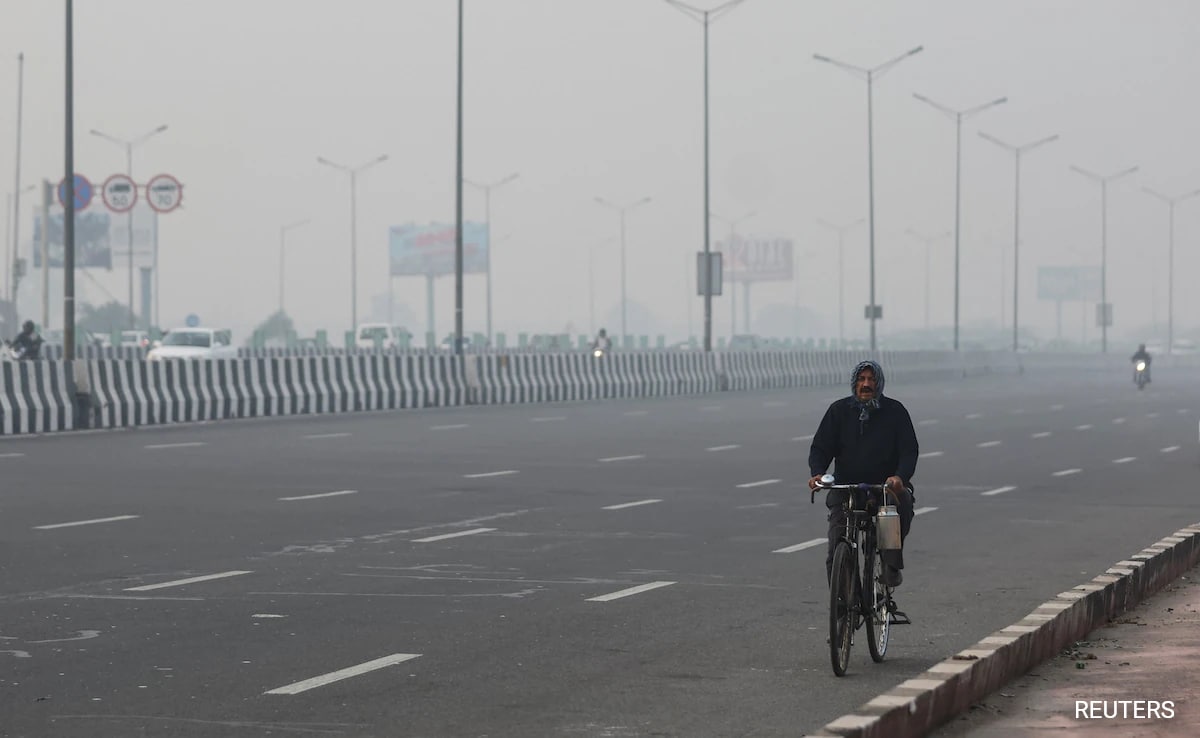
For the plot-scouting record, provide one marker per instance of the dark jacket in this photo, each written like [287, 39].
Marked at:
[867, 451]
[29, 344]
[1143, 355]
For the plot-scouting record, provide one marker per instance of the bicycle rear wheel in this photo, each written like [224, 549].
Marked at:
[842, 601]
[874, 605]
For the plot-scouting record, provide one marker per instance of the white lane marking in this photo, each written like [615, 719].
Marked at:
[1170, 449]
[630, 504]
[1183, 411]
[927, 422]
[1085, 426]
[632, 457]
[322, 494]
[923, 510]
[931, 454]
[628, 592]
[267, 615]
[10, 456]
[452, 426]
[801, 546]
[1067, 472]
[1118, 421]
[1124, 459]
[86, 522]
[181, 582]
[340, 674]
[730, 447]
[1056, 407]
[492, 474]
[460, 534]
[802, 438]
[1151, 415]
[548, 419]
[318, 436]
[1043, 434]
[188, 444]
[997, 491]
[974, 416]
[710, 408]
[634, 413]
[988, 444]
[763, 483]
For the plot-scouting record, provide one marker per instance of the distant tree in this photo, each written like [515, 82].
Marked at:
[104, 320]
[277, 327]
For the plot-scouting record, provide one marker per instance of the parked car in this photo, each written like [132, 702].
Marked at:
[194, 343]
[137, 339]
[389, 336]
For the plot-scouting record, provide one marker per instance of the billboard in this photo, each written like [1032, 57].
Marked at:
[101, 238]
[429, 249]
[756, 259]
[1069, 284]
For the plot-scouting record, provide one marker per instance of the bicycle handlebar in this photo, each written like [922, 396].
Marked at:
[829, 485]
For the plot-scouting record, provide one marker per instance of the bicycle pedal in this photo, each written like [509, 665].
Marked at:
[899, 618]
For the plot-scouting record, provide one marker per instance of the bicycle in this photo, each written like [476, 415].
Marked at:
[857, 596]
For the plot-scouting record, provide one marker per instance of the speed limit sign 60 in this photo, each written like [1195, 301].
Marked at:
[164, 193]
[119, 193]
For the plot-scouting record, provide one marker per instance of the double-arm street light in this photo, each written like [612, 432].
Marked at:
[487, 210]
[870, 75]
[1171, 203]
[622, 210]
[129, 145]
[354, 172]
[283, 231]
[1105, 316]
[1017, 152]
[841, 235]
[958, 116]
[705, 18]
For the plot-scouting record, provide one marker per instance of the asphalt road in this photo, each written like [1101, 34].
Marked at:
[463, 572]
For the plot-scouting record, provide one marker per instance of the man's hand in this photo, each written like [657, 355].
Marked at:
[895, 484]
[812, 483]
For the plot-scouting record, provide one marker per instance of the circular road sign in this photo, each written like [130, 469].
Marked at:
[164, 193]
[83, 192]
[192, 320]
[119, 193]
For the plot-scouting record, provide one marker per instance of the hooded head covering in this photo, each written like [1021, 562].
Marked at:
[873, 403]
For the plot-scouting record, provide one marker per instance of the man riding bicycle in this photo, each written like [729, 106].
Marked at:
[871, 439]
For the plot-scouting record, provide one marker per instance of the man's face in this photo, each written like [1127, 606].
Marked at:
[864, 385]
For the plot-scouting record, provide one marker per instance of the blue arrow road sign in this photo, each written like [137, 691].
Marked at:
[83, 192]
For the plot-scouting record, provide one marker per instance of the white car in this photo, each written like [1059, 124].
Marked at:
[1184, 346]
[137, 339]
[389, 335]
[194, 343]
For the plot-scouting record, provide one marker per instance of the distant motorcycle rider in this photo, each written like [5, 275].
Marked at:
[602, 341]
[1141, 355]
[27, 344]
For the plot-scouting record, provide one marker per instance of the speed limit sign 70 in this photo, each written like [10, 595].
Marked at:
[119, 193]
[164, 193]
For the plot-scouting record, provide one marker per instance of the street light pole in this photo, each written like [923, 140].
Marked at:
[354, 172]
[841, 234]
[1017, 152]
[958, 116]
[487, 209]
[622, 210]
[16, 206]
[870, 75]
[1104, 317]
[706, 18]
[282, 244]
[1171, 203]
[928, 241]
[128, 145]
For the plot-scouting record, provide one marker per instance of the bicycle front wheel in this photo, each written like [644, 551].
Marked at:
[874, 605]
[842, 601]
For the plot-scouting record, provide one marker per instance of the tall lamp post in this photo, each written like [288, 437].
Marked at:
[1104, 180]
[870, 75]
[705, 18]
[129, 145]
[16, 205]
[929, 241]
[487, 210]
[354, 172]
[1171, 203]
[10, 234]
[622, 211]
[1017, 152]
[733, 224]
[841, 235]
[283, 231]
[958, 116]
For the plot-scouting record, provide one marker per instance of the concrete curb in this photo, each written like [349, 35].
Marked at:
[949, 688]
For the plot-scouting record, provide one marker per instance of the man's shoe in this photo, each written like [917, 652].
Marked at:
[891, 576]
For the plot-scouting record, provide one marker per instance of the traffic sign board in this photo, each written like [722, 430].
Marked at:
[119, 193]
[192, 320]
[83, 192]
[164, 193]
